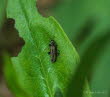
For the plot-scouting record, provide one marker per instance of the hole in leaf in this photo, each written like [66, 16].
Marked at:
[10, 38]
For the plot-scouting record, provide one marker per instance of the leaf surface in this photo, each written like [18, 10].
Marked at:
[36, 75]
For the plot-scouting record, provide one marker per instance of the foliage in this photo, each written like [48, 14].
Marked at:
[32, 73]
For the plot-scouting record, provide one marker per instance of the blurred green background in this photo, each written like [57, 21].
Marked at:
[87, 24]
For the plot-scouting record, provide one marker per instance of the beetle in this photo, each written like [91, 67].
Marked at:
[53, 51]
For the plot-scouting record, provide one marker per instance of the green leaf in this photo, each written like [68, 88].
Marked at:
[11, 77]
[36, 75]
[87, 25]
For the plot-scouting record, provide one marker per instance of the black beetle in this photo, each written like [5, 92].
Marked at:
[53, 51]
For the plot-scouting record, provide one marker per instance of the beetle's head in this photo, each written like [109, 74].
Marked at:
[52, 42]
